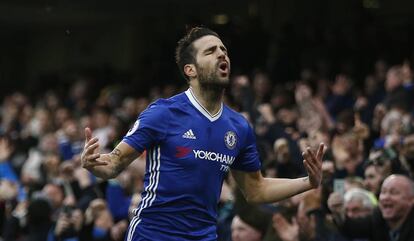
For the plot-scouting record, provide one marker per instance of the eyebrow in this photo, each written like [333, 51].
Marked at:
[214, 47]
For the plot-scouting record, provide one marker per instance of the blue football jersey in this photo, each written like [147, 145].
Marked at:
[189, 153]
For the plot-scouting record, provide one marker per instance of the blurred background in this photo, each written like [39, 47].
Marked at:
[44, 42]
[302, 72]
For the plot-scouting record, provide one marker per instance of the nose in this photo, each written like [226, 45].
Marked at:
[221, 54]
[383, 196]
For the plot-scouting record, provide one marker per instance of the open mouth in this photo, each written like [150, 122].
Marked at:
[223, 67]
[387, 207]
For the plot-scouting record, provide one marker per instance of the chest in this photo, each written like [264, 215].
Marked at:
[197, 143]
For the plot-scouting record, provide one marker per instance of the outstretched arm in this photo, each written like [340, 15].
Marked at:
[109, 165]
[258, 189]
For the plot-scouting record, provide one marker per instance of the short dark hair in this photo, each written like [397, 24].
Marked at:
[184, 53]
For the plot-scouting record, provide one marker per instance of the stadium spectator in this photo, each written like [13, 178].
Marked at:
[392, 220]
[241, 231]
[358, 203]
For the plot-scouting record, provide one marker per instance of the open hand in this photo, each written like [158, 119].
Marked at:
[286, 231]
[313, 165]
[89, 157]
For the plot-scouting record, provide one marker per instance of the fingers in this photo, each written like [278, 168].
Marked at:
[89, 158]
[310, 160]
[91, 146]
[309, 168]
[313, 165]
[320, 152]
[89, 154]
[94, 156]
[93, 161]
[280, 221]
[88, 134]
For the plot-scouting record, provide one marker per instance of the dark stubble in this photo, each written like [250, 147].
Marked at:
[208, 79]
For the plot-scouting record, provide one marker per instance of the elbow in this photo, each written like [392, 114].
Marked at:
[252, 201]
[112, 175]
[104, 177]
[254, 194]
[252, 198]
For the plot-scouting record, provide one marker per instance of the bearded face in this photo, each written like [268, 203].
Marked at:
[210, 76]
[212, 62]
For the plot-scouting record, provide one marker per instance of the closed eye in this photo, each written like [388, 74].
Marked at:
[210, 50]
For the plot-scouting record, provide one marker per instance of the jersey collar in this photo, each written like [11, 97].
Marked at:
[197, 104]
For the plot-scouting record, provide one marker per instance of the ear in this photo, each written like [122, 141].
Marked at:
[190, 70]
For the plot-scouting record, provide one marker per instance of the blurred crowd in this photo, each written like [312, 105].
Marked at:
[368, 167]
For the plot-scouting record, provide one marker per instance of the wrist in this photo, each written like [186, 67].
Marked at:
[307, 183]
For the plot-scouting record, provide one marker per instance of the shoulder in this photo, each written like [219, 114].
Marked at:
[163, 107]
[241, 125]
[157, 116]
[235, 117]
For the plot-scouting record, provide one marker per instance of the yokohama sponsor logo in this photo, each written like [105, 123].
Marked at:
[214, 156]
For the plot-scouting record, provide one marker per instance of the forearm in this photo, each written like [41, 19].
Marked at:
[258, 189]
[111, 170]
[275, 189]
[109, 165]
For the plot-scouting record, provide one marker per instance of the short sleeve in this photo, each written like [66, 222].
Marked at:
[248, 159]
[150, 128]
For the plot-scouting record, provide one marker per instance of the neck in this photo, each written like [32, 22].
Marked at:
[396, 224]
[211, 97]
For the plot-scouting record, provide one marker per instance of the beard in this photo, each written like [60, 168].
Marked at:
[209, 79]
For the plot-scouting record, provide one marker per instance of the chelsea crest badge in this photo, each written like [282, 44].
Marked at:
[230, 139]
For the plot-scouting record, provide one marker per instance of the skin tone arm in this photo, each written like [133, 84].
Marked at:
[258, 189]
[109, 165]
